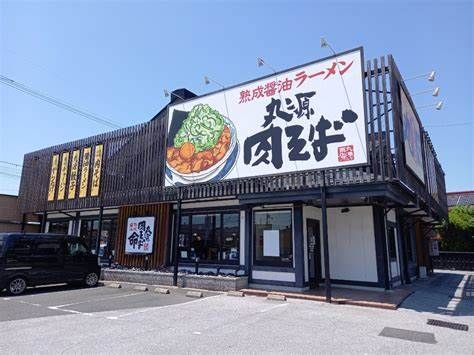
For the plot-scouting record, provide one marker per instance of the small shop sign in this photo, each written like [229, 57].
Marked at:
[140, 235]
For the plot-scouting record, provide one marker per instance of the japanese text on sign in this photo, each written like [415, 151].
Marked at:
[140, 233]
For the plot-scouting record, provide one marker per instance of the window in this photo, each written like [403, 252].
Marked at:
[211, 237]
[48, 248]
[392, 245]
[410, 253]
[273, 236]
[76, 248]
[90, 231]
[59, 227]
[19, 249]
[1, 245]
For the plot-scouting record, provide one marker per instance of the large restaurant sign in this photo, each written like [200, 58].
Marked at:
[411, 137]
[306, 118]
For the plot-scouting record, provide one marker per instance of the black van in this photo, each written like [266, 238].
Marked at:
[30, 259]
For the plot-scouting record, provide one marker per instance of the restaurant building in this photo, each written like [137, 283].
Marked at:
[322, 169]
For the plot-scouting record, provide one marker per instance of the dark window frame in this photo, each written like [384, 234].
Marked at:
[221, 214]
[59, 220]
[271, 261]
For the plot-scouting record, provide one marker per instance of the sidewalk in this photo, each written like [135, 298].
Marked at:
[366, 298]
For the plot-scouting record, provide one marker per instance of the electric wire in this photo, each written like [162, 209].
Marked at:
[52, 100]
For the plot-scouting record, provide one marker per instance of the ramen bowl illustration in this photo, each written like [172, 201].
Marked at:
[203, 142]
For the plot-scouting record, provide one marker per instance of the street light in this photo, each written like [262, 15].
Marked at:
[208, 80]
[325, 44]
[429, 76]
[261, 62]
[438, 106]
[434, 92]
[169, 94]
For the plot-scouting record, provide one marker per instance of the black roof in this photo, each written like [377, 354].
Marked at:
[461, 198]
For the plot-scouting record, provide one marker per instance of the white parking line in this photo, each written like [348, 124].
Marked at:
[160, 307]
[273, 307]
[96, 300]
[457, 297]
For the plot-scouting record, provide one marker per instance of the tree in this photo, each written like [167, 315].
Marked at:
[459, 232]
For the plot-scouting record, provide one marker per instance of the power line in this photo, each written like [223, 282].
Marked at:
[52, 100]
[451, 124]
[9, 163]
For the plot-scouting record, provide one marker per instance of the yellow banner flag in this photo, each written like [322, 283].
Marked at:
[73, 175]
[53, 176]
[96, 169]
[86, 160]
[63, 175]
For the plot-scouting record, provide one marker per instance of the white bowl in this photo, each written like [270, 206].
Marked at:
[202, 175]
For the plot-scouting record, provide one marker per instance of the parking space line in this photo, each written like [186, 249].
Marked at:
[273, 307]
[96, 300]
[160, 307]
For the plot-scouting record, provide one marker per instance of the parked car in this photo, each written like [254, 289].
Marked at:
[30, 259]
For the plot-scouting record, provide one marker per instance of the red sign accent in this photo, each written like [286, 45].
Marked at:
[345, 153]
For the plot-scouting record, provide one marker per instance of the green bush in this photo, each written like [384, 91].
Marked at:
[458, 234]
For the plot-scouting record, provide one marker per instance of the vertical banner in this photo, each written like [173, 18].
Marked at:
[86, 160]
[73, 174]
[63, 175]
[96, 169]
[52, 177]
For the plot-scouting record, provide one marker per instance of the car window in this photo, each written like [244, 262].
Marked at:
[19, 249]
[76, 248]
[48, 247]
[1, 245]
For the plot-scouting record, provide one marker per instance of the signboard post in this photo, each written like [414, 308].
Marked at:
[306, 118]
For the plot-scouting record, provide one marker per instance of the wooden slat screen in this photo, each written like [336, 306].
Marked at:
[134, 158]
[157, 259]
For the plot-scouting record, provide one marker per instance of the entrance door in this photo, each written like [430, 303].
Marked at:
[393, 253]
[314, 252]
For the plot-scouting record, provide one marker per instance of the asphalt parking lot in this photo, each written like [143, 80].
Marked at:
[123, 321]
[57, 300]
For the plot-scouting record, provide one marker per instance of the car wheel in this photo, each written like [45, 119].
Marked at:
[17, 286]
[91, 279]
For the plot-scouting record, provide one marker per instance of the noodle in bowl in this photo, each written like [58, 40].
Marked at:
[208, 173]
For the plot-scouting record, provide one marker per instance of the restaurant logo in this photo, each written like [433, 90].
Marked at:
[307, 118]
[140, 234]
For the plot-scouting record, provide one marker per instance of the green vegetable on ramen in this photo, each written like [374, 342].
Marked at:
[202, 127]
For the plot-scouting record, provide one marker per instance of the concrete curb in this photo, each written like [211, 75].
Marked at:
[114, 285]
[276, 297]
[141, 288]
[235, 294]
[194, 294]
[162, 290]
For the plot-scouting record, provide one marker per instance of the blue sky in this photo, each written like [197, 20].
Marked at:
[115, 58]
